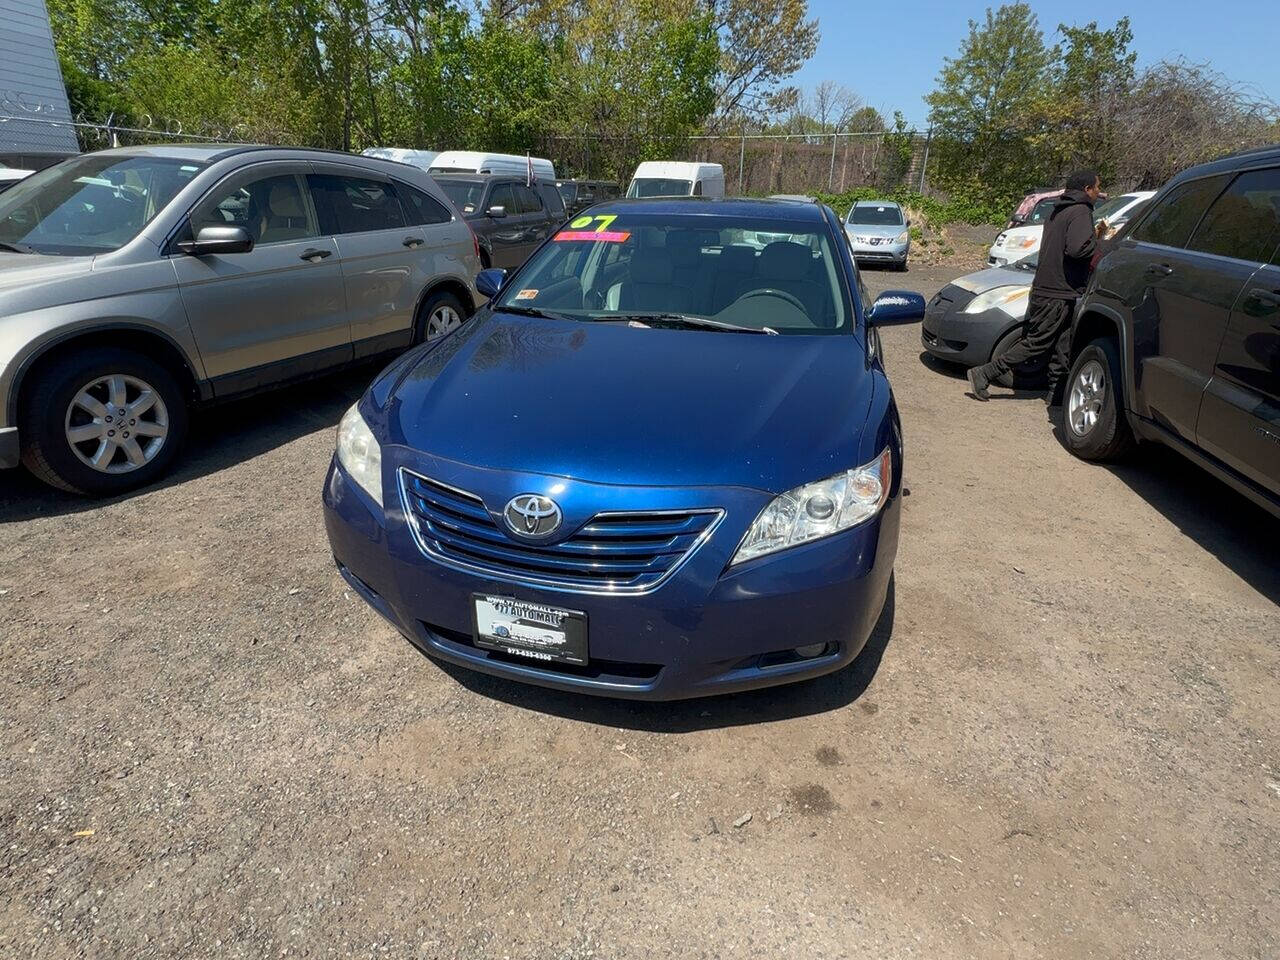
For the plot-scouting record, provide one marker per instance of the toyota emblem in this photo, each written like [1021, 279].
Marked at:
[530, 515]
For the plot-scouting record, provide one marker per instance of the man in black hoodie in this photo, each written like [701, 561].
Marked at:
[1069, 243]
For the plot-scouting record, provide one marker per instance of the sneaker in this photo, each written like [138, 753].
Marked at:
[978, 383]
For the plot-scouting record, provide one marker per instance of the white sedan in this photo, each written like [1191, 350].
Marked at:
[1018, 243]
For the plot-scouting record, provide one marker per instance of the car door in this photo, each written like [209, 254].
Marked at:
[1180, 300]
[378, 251]
[541, 219]
[279, 310]
[507, 234]
[1240, 417]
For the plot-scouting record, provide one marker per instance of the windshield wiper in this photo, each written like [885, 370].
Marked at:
[533, 312]
[15, 247]
[688, 320]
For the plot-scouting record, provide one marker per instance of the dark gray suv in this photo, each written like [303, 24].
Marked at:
[1177, 338]
[509, 217]
[135, 283]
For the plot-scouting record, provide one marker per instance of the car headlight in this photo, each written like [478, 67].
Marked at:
[1000, 239]
[819, 509]
[903, 237]
[359, 453]
[1023, 243]
[1011, 299]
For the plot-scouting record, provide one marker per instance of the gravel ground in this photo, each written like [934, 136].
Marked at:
[1064, 742]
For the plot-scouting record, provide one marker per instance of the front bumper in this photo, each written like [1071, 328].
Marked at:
[949, 333]
[10, 454]
[881, 252]
[704, 631]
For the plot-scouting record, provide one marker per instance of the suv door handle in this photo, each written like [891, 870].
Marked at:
[412, 241]
[1159, 269]
[314, 253]
[1269, 297]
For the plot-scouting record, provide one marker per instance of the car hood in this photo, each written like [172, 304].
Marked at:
[609, 403]
[985, 280]
[32, 269]
[874, 229]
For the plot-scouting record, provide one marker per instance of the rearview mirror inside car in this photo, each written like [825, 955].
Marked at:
[497, 211]
[217, 240]
[489, 282]
[894, 307]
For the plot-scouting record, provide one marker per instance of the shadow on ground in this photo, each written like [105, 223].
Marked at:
[1242, 536]
[221, 436]
[820, 695]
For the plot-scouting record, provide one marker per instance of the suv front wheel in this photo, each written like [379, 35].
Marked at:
[100, 422]
[1094, 426]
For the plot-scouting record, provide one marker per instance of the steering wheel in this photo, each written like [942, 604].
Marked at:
[772, 292]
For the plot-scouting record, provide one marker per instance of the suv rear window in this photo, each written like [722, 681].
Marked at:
[354, 204]
[1243, 223]
[1174, 217]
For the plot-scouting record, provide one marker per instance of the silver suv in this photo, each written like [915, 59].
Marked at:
[136, 283]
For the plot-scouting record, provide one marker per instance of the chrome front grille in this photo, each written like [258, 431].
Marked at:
[622, 552]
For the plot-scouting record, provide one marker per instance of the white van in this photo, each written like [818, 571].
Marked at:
[422, 159]
[472, 161]
[675, 178]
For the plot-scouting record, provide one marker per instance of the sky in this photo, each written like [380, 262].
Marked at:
[890, 53]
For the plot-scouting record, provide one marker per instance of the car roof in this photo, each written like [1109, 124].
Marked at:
[1232, 162]
[716, 207]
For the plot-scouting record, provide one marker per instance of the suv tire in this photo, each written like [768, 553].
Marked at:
[73, 397]
[1093, 420]
[441, 313]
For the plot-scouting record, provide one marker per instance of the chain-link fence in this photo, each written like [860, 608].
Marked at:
[754, 164]
[760, 164]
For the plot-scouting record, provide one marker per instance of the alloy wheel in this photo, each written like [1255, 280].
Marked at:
[116, 423]
[443, 319]
[1088, 394]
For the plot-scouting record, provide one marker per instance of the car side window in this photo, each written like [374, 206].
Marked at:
[356, 205]
[422, 208]
[503, 196]
[697, 189]
[1243, 223]
[271, 209]
[1170, 223]
[529, 201]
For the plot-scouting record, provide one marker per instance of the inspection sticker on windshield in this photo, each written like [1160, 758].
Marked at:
[527, 294]
[578, 230]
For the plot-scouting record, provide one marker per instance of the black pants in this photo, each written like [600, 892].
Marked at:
[1048, 336]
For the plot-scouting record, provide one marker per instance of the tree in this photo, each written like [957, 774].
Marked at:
[988, 110]
[1091, 80]
[762, 43]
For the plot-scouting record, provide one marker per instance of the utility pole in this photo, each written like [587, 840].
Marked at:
[831, 171]
[924, 164]
[742, 159]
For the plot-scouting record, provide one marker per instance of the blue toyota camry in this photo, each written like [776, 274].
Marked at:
[664, 461]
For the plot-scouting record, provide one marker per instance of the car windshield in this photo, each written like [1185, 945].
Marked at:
[876, 215]
[1042, 211]
[465, 194]
[90, 204]
[1028, 262]
[659, 187]
[715, 273]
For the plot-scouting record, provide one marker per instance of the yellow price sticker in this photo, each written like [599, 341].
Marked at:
[601, 222]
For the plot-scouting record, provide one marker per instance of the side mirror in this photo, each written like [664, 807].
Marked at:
[489, 282]
[894, 307]
[497, 211]
[908, 221]
[217, 240]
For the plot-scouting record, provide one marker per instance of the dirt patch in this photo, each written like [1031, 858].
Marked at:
[1074, 756]
[813, 799]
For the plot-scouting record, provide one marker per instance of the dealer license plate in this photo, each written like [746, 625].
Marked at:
[532, 631]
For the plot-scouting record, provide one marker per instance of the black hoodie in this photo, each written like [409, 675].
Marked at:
[1066, 248]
